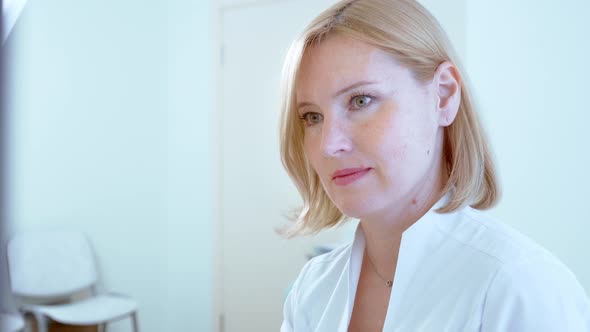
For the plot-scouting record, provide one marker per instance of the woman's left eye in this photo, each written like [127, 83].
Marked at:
[361, 101]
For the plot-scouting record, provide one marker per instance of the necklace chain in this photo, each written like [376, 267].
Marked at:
[388, 282]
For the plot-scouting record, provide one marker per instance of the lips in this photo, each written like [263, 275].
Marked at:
[347, 171]
[349, 175]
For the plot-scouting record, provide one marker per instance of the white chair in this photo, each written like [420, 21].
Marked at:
[46, 268]
[11, 322]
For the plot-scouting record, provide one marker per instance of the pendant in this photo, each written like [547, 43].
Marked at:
[389, 283]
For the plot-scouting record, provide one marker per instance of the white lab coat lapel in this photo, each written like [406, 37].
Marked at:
[342, 301]
[414, 246]
[413, 249]
[336, 306]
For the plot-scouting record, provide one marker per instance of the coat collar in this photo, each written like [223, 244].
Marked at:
[414, 248]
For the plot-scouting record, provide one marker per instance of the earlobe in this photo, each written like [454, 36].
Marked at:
[448, 89]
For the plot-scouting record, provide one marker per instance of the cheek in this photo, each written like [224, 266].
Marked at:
[399, 153]
[387, 137]
[399, 145]
[413, 136]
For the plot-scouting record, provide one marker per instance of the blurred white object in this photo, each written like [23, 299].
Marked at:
[10, 322]
[51, 266]
[11, 10]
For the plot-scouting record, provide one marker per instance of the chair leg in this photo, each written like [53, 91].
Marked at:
[42, 322]
[134, 322]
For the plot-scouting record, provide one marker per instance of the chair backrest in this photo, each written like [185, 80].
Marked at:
[50, 263]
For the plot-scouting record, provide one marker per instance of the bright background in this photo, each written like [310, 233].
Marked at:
[116, 127]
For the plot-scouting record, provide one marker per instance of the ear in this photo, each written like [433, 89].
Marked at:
[447, 86]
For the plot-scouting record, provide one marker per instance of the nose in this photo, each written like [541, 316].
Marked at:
[335, 138]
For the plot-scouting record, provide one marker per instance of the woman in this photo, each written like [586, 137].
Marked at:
[378, 124]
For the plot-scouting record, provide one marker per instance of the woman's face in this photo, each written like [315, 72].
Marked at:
[372, 131]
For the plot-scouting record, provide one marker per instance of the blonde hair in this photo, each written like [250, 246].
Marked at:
[407, 31]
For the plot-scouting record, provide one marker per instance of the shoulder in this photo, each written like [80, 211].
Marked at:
[533, 293]
[530, 289]
[481, 233]
[314, 285]
[322, 269]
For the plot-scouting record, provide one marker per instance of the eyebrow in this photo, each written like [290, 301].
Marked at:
[341, 91]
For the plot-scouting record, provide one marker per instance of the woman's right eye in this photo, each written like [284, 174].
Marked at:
[311, 118]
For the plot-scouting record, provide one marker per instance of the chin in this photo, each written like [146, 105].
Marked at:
[356, 203]
[354, 208]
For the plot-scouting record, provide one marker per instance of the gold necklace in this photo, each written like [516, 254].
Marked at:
[388, 282]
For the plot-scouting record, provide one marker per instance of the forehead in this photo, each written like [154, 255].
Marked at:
[339, 61]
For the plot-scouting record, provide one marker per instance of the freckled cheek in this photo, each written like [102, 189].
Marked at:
[386, 141]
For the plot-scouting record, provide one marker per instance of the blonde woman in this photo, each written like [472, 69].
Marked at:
[378, 124]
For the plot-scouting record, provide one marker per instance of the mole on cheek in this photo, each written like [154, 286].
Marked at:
[414, 201]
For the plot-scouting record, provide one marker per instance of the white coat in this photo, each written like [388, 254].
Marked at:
[456, 272]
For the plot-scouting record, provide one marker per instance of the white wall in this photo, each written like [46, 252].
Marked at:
[110, 116]
[528, 61]
[192, 162]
